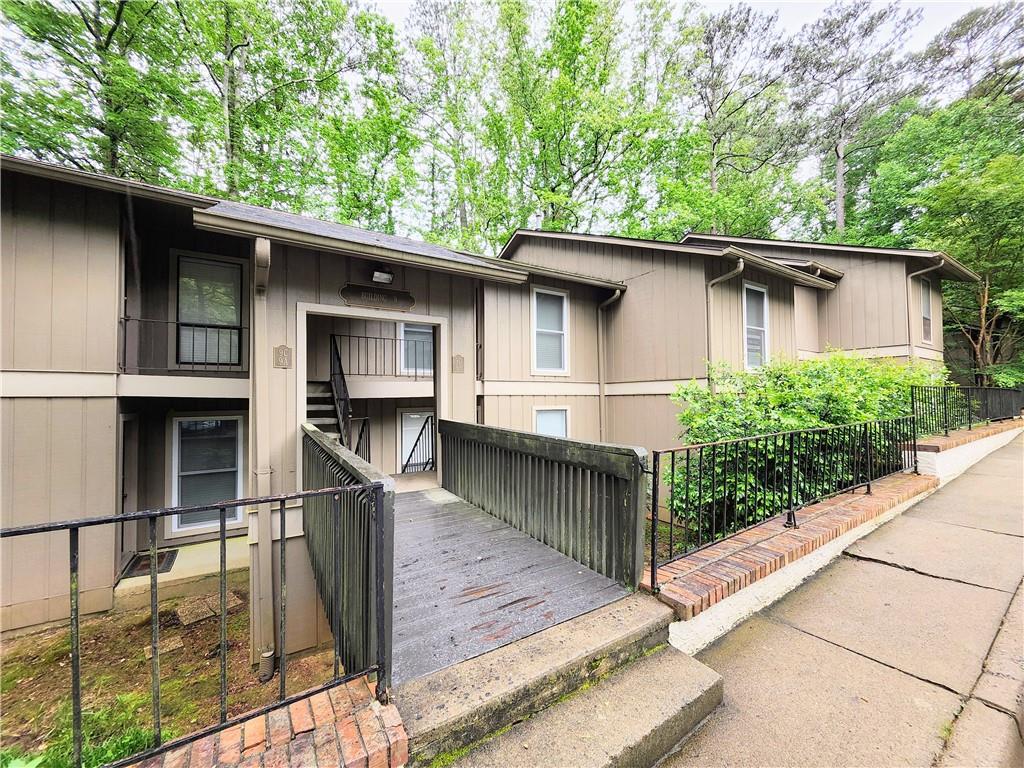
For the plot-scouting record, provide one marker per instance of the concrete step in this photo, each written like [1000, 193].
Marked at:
[319, 407]
[461, 704]
[317, 387]
[631, 719]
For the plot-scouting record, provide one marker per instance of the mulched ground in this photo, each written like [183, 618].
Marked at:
[35, 670]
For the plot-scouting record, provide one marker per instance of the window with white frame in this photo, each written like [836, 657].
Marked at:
[926, 310]
[206, 468]
[550, 331]
[755, 325]
[551, 421]
[416, 348]
[209, 311]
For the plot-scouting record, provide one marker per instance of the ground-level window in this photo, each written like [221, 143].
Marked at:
[209, 311]
[207, 468]
[755, 325]
[550, 331]
[926, 310]
[416, 348]
[552, 421]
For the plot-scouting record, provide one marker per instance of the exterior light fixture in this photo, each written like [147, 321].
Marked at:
[384, 276]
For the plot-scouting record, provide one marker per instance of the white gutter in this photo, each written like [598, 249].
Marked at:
[602, 415]
[710, 298]
[910, 319]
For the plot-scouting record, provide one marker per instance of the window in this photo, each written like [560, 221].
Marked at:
[209, 311]
[755, 323]
[550, 332]
[552, 421]
[416, 348]
[926, 310]
[207, 462]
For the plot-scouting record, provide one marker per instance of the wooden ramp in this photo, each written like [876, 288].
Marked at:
[467, 583]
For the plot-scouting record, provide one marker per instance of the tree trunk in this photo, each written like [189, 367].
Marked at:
[230, 105]
[713, 181]
[841, 184]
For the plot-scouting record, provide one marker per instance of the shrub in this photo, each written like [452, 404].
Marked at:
[839, 388]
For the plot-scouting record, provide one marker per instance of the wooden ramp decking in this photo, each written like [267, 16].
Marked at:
[467, 583]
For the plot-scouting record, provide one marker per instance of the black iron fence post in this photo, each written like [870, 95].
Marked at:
[868, 451]
[791, 514]
[656, 470]
[76, 650]
[945, 410]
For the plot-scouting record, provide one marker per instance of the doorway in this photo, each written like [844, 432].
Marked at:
[416, 438]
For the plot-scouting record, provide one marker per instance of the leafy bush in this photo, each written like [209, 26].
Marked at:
[718, 491]
[108, 734]
[839, 388]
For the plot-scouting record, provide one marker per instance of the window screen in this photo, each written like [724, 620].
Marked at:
[553, 422]
[417, 347]
[549, 331]
[207, 464]
[756, 316]
[209, 311]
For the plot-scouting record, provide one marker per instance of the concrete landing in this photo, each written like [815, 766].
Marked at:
[459, 705]
[631, 718]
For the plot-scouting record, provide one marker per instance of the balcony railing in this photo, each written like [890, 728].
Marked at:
[349, 524]
[386, 356]
[150, 346]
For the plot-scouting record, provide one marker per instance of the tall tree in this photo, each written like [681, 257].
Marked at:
[95, 84]
[980, 54]
[850, 72]
[953, 180]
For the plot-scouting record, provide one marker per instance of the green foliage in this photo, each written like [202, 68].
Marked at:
[838, 388]
[108, 734]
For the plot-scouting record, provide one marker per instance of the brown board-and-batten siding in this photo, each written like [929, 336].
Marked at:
[60, 279]
[658, 332]
[727, 331]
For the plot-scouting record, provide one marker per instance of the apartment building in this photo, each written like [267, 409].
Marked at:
[161, 348]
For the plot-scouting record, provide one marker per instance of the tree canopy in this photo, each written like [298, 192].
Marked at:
[649, 119]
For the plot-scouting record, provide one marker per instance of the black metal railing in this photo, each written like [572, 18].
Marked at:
[350, 541]
[359, 437]
[343, 498]
[712, 491]
[339, 392]
[149, 346]
[421, 455]
[386, 356]
[944, 408]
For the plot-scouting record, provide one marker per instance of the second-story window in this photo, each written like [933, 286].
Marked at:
[209, 311]
[550, 331]
[926, 310]
[755, 325]
[416, 348]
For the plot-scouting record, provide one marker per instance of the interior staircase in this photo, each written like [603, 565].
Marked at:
[320, 408]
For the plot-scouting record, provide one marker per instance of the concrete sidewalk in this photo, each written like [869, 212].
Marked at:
[905, 651]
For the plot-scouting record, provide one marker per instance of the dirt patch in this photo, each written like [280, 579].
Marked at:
[35, 670]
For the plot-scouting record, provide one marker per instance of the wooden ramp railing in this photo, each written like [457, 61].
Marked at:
[585, 500]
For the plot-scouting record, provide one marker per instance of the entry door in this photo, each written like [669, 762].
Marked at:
[411, 424]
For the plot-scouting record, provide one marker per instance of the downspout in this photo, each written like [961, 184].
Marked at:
[602, 416]
[910, 319]
[708, 307]
[259, 437]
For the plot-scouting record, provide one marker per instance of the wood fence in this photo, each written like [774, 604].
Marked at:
[586, 500]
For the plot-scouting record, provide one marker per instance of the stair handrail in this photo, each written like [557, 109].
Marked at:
[339, 391]
[428, 463]
[361, 444]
